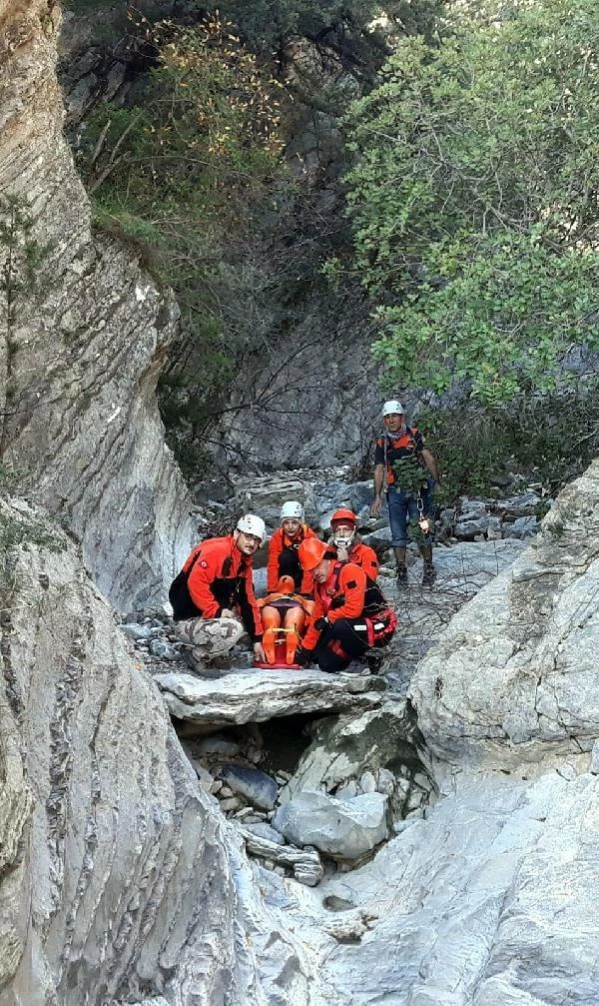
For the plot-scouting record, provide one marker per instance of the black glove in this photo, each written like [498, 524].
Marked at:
[321, 623]
[304, 657]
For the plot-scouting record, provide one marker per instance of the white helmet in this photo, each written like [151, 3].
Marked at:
[392, 406]
[292, 510]
[250, 524]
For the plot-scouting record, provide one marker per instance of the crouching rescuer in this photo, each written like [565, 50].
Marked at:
[213, 596]
[351, 615]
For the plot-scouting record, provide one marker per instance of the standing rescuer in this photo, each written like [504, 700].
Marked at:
[283, 546]
[213, 596]
[407, 473]
[350, 613]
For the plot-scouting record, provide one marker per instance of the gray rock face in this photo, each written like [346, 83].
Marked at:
[116, 871]
[487, 902]
[513, 677]
[87, 337]
[252, 696]
[264, 496]
[343, 829]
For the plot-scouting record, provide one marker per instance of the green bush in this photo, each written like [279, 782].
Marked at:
[474, 199]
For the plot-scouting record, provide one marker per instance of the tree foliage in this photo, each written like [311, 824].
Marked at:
[180, 173]
[474, 198]
[356, 29]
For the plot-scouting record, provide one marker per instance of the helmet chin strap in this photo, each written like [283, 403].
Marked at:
[343, 540]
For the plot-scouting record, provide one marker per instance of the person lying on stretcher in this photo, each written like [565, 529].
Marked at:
[284, 614]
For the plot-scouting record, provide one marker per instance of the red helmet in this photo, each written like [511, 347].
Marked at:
[311, 552]
[345, 516]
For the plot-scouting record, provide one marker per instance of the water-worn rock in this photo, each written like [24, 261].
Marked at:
[86, 340]
[252, 696]
[264, 830]
[489, 901]
[514, 676]
[343, 829]
[106, 838]
[256, 786]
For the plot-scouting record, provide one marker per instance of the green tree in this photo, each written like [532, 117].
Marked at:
[180, 174]
[474, 198]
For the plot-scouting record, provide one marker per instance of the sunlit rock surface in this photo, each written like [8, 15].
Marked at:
[83, 342]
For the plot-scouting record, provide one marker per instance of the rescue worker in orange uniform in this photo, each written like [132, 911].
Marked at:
[283, 546]
[344, 525]
[213, 596]
[350, 613]
[284, 609]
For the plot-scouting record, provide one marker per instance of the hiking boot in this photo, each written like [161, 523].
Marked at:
[402, 576]
[375, 662]
[429, 574]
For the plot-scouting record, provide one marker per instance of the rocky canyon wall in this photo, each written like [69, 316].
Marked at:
[83, 334]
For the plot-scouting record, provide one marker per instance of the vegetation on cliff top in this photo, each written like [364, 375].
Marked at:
[474, 199]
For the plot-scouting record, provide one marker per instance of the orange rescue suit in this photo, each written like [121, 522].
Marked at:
[278, 543]
[346, 583]
[365, 556]
[222, 577]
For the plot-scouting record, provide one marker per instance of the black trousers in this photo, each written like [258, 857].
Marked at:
[340, 643]
[289, 565]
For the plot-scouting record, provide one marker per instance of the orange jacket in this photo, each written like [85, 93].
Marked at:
[365, 556]
[222, 578]
[278, 543]
[347, 583]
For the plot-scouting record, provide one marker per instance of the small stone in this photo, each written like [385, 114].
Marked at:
[567, 772]
[135, 631]
[231, 803]
[216, 786]
[163, 650]
[206, 780]
[421, 780]
[242, 815]
[386, 782]
[595, 758]
[367, 782]
[254, 756]
[268, 864]
[264, 830]
[280, 870]
[226, 791]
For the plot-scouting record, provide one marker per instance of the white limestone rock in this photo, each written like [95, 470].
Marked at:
[86, 345]
[254, 695]
[343, 829]
[119, 879]
[514, 676]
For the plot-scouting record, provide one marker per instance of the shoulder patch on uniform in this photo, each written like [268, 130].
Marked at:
[204, 564]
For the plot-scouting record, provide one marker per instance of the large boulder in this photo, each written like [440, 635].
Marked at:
[514, 676]
[87, 337]
[119, 879]
[343, 748]
[343, 829]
